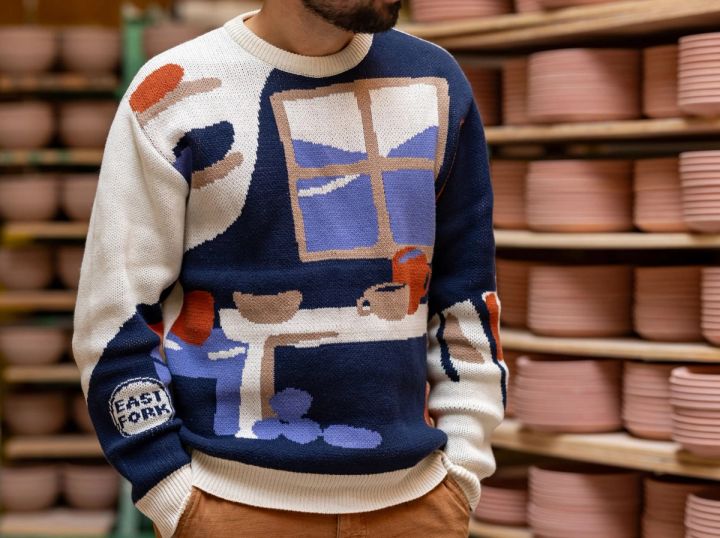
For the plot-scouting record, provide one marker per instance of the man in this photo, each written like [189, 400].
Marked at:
[286, 320]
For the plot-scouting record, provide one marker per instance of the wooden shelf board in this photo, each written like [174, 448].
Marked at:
[480, 529]
[51, 156]
[28, 300]
[28, 231]
[52, 446]
[638, 240]
[617, 448]
[625, 348]
[52, 373]
[639, 18]
[603, 130]
[59, 82]
[58, 522]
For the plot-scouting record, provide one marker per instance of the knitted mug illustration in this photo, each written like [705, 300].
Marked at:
[387, 300]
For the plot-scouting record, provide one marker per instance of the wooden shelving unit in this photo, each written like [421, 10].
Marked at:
[621, 348]
[620, 241]
[58, 83]
[60, 522]
[617, 448]
[52, 446]
[15, 232]
[53, 373]
[479, 529]
[33, 300]
[51, 157]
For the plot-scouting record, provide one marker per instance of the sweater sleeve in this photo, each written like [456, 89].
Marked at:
[132, 259]
[466, 372]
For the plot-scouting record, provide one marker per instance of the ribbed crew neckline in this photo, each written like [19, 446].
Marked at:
[299, 64]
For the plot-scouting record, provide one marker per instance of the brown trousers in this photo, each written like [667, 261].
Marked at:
[443, 512]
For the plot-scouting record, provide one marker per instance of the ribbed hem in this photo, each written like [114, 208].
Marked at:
[309, 66]
[166, 501]
[312, 492]
[468, 482]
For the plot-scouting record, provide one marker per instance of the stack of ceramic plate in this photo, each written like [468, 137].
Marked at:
[700, 176]
[702, 514]
[527, 6]
[432, 10]
[660, 82]
[508, 182]
[699, 74]
[514, 92]
[505, 496]
[512, 284]
[646, 409]
[658, 195]
[588, 501]
[658, 287]
[665, 498]
[582, 301]
[485, 83]
[564, 394]
[571, 85]
[695, 397]
[711, 304]
[579, 196]
[510, 358]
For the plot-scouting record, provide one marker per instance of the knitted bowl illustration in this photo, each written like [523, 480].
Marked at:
[271, 308]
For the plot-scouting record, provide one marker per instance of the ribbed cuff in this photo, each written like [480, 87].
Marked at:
[299, 64]
[166, 501]
[468, 481]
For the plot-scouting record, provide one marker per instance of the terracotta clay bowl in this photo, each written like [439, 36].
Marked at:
[90, 49]
[85, 124]
[163, 36]
[69, 261]
[35, 413]
[26, 124]
[27, 267]
[80, 414]
[29, 197]
[29, 487]
[33, 344]
[90, 487]
[27, 49]
[77, 194]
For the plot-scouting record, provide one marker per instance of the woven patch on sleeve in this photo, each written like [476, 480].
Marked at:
[140, 404]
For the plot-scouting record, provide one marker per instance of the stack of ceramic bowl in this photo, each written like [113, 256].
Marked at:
[514, 92]
[90, 49]
[564, 394]
[665, 498]
[35, 413]
[528, 6]
[511, 358]
[485, 83]
[512, 284]
[667, 303]
[162, 36]
[583, 301]
[29, 197]
[26, 124]
[26, 267]
[33, 344]
[700, 176]
[90, 487]
[28, 49]
[77, 195]
[699, 74]
[579, 196]
[711, 304]
[658, 196]
[573, 500]
[574, 85]
[508, 182]
[646, 409]
[29, 486]
[660, 82]
[86, 124]
[505, 496]
[695, 397]
[702, 514]
[432, 11]
[552, 4]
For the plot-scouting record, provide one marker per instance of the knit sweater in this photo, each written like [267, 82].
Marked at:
[287, 297]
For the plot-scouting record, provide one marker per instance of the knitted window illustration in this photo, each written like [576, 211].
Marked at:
[365, 190]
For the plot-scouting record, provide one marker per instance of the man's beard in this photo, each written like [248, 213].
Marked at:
[363, 18]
